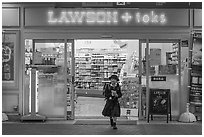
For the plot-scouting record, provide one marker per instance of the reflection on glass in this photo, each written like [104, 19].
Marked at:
[48, 56]
[163, 58]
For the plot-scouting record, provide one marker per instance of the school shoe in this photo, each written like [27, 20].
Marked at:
[114, 125]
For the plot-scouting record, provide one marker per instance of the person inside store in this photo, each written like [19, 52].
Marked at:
[112, 92]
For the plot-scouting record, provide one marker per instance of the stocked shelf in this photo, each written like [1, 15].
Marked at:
[100, 66]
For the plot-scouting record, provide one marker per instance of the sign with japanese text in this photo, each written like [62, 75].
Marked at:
[158, 78]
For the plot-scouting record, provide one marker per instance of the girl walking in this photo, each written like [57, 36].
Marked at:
[112, 92]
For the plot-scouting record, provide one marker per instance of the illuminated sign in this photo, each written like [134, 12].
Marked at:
[105, 17]
[89, 17]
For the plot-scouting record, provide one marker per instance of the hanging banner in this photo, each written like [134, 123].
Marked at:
[105, 17]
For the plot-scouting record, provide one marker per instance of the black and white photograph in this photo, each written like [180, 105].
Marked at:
[101, 68]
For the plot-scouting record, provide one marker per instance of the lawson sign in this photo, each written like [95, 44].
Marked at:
[105, 17]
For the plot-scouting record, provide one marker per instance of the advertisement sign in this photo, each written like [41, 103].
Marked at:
[10, 70]
[159, 103]
[8, 61]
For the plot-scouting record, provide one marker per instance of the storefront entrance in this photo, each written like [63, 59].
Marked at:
[43, 37]
[72, 73]
[70, 82]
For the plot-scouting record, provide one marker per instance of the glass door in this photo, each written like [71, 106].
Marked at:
[49, 58]
[161, 70]
[55, 77]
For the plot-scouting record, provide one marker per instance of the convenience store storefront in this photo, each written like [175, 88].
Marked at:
[163, 35]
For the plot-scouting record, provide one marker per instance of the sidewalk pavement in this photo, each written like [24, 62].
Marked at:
[95, 128]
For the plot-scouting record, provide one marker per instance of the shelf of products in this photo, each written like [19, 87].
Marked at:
[94, 69]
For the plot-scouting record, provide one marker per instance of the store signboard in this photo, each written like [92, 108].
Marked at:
[105, 17]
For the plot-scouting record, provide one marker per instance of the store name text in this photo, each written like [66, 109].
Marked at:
[105, 18]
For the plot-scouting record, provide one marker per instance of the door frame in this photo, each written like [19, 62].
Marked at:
[72, 75]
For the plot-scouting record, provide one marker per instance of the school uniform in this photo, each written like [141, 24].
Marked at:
[112, 106]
